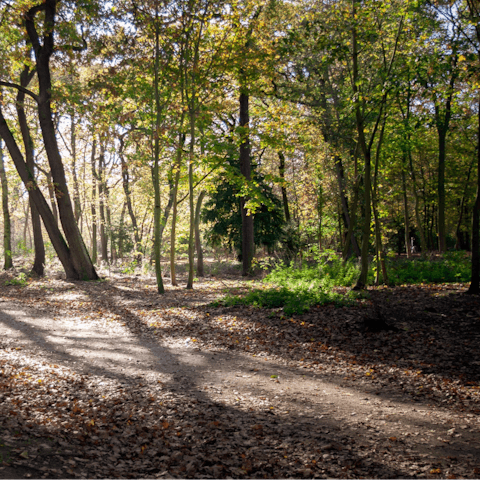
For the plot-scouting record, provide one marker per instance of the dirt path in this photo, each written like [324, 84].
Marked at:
[170, 397]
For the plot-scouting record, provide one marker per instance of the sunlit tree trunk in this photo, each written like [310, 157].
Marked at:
[76, 194]
[39, 260]
[156, 159]
[198, 239]
[191, 239]
[128, 198]
[122, 231]
[49, 222]
[93, 162]
[101, 206]
[173, 275]
[81, 261]
[7, 232]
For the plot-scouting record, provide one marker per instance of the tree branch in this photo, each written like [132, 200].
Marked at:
[20, 88]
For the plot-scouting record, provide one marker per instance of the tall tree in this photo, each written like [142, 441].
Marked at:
[7, 232]
[43, 45]
[39, 261]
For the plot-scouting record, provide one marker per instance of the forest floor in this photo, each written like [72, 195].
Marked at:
[110, 380]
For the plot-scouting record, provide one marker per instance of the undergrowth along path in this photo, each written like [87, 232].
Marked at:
[108, 379]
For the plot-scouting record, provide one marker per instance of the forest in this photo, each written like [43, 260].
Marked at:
[135, 133]
[240, 239]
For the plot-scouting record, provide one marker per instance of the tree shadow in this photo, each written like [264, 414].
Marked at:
[218, 439]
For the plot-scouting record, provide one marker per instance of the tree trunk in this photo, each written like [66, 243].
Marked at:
[84, 268]
[128, 198]
[198, 240]
[191, 244]
[7, 232]
[406, 216]
[25, 226]
[281, 171]
[458, 232]
[353, 222]
[51, 226]
[94, 201]
[420, 226]
[76, 194]
[122, 231]
[39, 260]
[246, 171]
[156, 159]
[101, 197]
[362, 279]
[320, 202]
[442, 129]
[474, 287]
[378, 244]
[442, 246]
[344, 202]
[173, 275]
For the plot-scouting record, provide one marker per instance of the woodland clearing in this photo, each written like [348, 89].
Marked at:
[110, 380]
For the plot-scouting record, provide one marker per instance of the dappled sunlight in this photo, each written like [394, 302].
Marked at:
[246, 387]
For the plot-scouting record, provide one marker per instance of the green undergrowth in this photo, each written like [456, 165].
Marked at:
[452, 267]
[296, 290]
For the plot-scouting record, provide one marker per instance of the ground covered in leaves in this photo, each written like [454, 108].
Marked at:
[110, 380]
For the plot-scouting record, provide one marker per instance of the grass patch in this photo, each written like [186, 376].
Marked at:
[452, 267]
[297, 290]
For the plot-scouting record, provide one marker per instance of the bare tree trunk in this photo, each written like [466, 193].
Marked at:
[128, 198]
[76, 195]
[281, 171]
[156, 159]
[94, 201]
[51, 226]
[198, 240]
[442, 246]
[39, 260]
[406, 216]
[362, 279]
[191, 245]
[81, 261]
[173, 275]
[25, 225]
[7, 232]
[121, 231]
[101, 196]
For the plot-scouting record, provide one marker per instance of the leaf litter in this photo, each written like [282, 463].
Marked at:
[193, 391]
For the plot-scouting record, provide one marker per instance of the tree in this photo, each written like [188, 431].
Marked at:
[7, 234]
[223, 211]
[74, 256]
